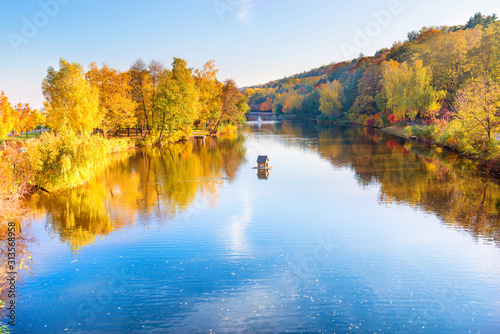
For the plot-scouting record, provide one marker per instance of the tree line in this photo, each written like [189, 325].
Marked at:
[164, 103]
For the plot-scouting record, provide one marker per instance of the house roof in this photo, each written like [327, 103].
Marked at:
[262, 158]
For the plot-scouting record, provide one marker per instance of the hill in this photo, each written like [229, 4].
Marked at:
[433, 65]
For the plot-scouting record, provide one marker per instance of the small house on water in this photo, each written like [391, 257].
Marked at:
[263, 161]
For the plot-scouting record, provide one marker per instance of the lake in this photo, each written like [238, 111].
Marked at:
[353, 231]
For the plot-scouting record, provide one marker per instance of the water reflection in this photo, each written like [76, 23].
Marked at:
[153, 182]
[263, 174]
[426, 177]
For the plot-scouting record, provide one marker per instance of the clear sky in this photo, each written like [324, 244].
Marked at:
[252, 41]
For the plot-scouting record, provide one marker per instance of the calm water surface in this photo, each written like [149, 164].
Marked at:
[353, 231]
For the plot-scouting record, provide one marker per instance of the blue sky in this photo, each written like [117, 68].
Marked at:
[252, 41]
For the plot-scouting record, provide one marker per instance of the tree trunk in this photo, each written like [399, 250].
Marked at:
[144, 103]
[216, 127]
[160, 137]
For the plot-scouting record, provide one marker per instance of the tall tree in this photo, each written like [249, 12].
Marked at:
[478, 111]
[331, 99]
[233, 105]
[210, 93]
[446, 55]
[70, 99]
[292, 101]
[408, 89]
[115, 98]
[178, 100]
[156, 70]
[368, 87]
[141, 91]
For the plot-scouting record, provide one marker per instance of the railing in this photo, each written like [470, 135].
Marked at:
[121, 132]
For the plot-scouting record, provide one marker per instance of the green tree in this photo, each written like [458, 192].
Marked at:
[178, 100]
[70, 99]
[480, 19]
[234, 106]
[310, 104]
[369, 86]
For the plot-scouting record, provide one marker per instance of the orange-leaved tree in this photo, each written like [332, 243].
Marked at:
[26, 118]
[115, 98]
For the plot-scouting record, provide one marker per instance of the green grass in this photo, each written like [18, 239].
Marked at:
[24, 136]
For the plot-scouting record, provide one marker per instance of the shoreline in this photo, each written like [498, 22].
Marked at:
[487, 168]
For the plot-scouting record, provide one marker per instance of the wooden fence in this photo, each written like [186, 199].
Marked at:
[121, 132]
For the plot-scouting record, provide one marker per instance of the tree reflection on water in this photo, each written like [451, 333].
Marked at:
[157, 181]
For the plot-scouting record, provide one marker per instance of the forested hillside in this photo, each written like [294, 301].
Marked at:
[445, 77]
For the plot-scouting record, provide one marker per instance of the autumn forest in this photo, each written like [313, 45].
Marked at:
[445, 81]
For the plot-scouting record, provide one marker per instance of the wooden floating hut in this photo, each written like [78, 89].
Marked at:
[263, 162]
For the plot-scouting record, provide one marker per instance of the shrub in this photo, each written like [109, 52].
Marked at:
[371, 122]
[228, 130]
[147, 141]
[408, 131]
[383, 122]
[66, 159]
[428, 132]
[117, 145]
[17, 177]
[456, 136]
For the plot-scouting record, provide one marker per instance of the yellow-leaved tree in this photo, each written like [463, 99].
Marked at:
[477, 107]
[7, 117]
[331, 99]
[71, 101]
[115, 98]
[209, 89]
[409, 91]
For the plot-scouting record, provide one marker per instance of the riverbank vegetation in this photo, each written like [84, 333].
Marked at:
[445, 80]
